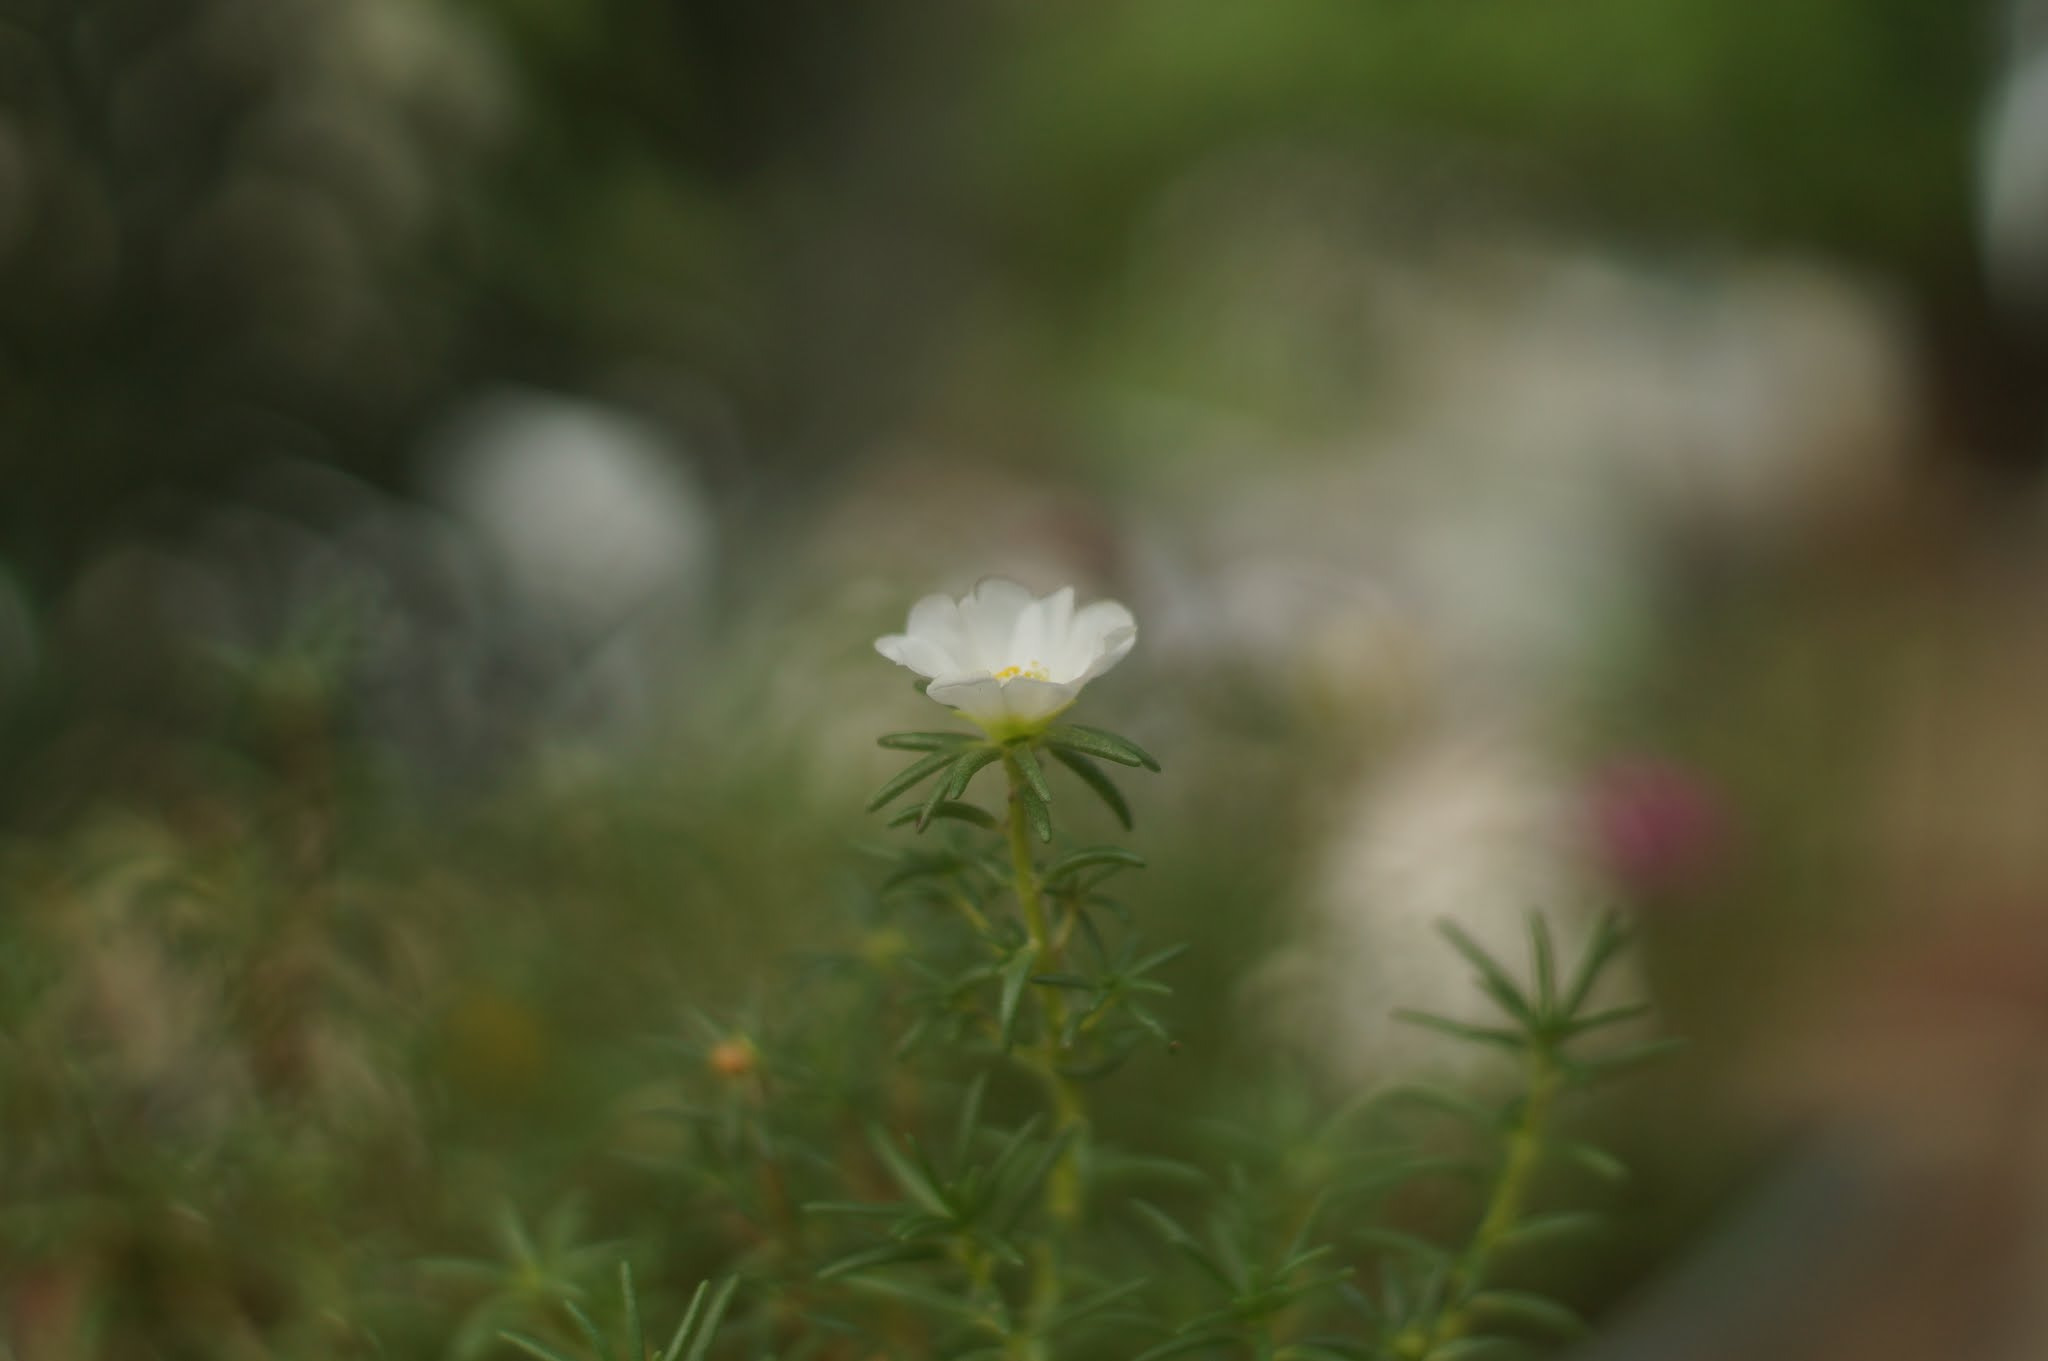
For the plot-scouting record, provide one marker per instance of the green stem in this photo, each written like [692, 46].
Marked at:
[1063, 1191]
[1504, 1205]
[1063, 1186]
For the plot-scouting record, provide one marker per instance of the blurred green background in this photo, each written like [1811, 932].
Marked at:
[458, 453]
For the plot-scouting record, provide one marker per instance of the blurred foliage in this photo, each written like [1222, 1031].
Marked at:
[1839, 125]
[234, 229]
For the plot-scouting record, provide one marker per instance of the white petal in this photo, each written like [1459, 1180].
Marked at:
[1059, 613]
[994, 703]
[1029, 700]
[988, 617]
[921, 655]
[1000, 628]
[980, 697]
[1026, 647]
[1040, 640]
[1115, 647]
[1102, 633]
[937, 618]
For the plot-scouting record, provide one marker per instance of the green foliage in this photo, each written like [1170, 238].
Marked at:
[1859, 143]
[536, 1270]
[691, 1341]
[1548, 1016]
[1437, 1301]
[1097, 782]
[904, 1143]
[1017, 972]
[1095, 742]
[1254, 1296]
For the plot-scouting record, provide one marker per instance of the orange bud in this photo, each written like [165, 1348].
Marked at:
[735, 1057]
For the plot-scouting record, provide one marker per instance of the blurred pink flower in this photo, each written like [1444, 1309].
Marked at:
[1657, 827]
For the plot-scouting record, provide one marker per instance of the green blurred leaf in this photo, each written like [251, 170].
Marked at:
[636, 1334]
[956, 812]
[709, 1329]
[1598, 1161]
[1090, 857]
[1016, 972]
[532, 1347]
[1546, 1228]
[915, 1181]
[1023, 1187]
[1188, 1246]
[925, 1297]
[1544, 955]
[1096, 742]
[1609, 938]
[1092, 775]
[932, 799]
[1492, 977]
[1612, 1016]
[1094, 1304]
[1512, 1041]
[924, 741]
[910, 775]
[886, 1254]
[1529, 1310]
[967, 766]
[599, 1348]
[1027, 765]
[1035, 810]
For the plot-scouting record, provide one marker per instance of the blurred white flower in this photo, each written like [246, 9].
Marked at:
[1476, 827]
[1006, 659]
[592, 515]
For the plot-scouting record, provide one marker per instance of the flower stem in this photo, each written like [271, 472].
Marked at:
[1504, 1205]
[1063, 1191]
[1063, 1186]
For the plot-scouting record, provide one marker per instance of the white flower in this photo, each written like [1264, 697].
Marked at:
[1006, 660]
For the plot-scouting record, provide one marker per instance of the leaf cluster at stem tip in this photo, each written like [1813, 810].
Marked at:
[951, 760]
[1548, 1015]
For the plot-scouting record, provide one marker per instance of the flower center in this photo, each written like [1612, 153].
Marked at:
[1034, 671]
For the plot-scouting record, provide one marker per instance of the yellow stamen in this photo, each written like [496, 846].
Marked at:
[1035, 671]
